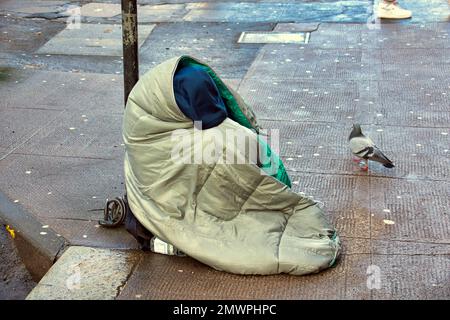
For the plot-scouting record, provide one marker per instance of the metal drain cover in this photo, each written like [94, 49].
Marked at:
[274, 37]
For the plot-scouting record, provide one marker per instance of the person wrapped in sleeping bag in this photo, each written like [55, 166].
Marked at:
[241, 218]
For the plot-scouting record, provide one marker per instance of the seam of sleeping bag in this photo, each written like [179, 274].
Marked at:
[279, 244]
[141, 116]
[201, 188]
[284, 229]
[251, 194]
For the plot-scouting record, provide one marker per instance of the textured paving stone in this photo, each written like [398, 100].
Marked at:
[350, 280]
[427, 36]
[407, 247]
[304, 62]
[345, 200]
[430, 273]
[413, 56]
[21, 126]
[89, 233]
[310, 101]
[420, 209]
[419, 153]
[332, 35]
[201, 282]
[61, 187]
[94, 134]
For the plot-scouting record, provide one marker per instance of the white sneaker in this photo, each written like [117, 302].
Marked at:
[391, 10]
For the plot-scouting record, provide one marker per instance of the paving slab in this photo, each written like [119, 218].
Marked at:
[146, 13]
[336, 35]
[61, 187]
[304, 62]
[323, 148]
[419, 209]
[430, 273]
[32, 6]
[310, 101]
[84, 273]
[21, 126]
[348, 11]
[387, 36]
[74, 91]
[88, 233]
[273, 37]
[345, 201]
[25, 35]
[404, 36]
[104, 10]
[75, 134]
[297, 27]
[413, 56]
[349, 281]
[422, 155]
[186, 278]
[161, 13]
[91, 39]
[414, 95]
[410, 247]
[213, 43]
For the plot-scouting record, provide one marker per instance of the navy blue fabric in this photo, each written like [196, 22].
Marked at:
[197, 96]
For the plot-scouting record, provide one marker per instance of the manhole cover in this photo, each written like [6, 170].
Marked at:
[274, 37]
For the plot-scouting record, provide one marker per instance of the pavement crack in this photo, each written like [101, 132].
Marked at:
[31, 136]
[125, 281]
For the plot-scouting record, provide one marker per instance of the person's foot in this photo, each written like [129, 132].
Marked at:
[391, 10]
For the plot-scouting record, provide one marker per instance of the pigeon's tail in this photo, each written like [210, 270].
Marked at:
[389, 165]
[381, 158]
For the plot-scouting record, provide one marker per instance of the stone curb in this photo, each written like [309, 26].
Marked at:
[39, 246]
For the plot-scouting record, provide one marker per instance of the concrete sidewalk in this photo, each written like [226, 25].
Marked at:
[61, 156]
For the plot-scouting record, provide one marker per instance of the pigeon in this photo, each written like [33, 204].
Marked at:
[364, 148]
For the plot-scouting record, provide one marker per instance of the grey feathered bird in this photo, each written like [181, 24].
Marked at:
[364, 148]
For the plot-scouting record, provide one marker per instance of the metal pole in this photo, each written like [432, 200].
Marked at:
[116, 209]
[130, 46]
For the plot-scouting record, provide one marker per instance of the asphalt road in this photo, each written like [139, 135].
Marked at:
[15, 281]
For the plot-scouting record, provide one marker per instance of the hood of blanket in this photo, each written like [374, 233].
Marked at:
[155, 95]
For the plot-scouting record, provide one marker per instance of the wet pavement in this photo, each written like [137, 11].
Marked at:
[61, 151]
